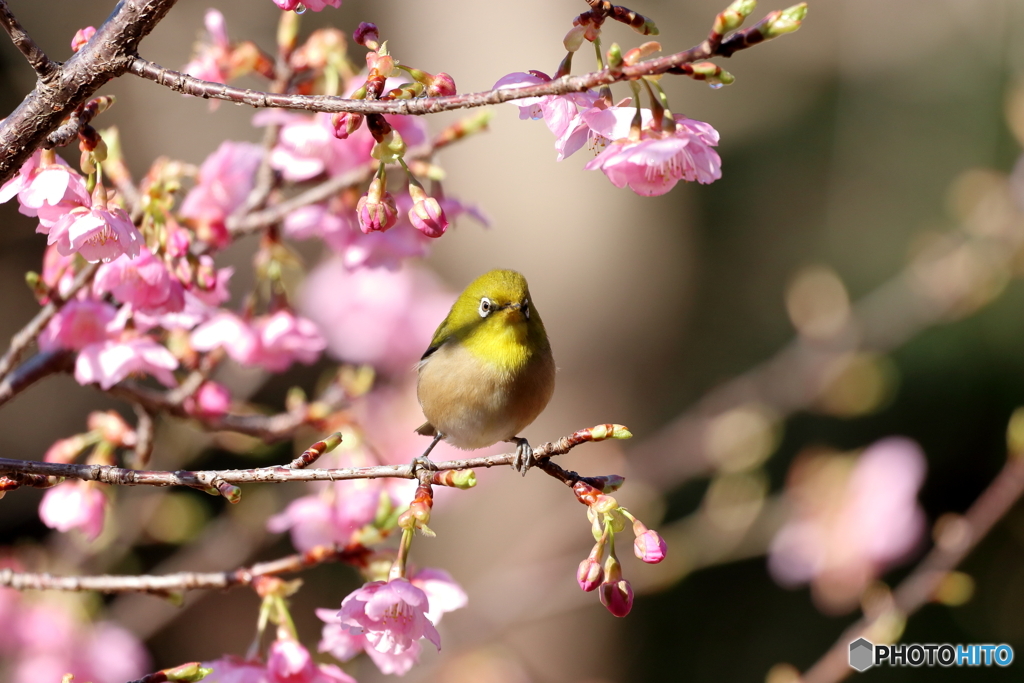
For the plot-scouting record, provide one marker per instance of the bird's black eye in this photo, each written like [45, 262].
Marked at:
[485, 307]
[526, 308]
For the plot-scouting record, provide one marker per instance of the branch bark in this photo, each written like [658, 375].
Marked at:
[44, 67]
[105, 57]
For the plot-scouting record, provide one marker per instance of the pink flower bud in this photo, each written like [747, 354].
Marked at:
[111, 427]
[376, 209]
[441, 85]
[366, 33]
[344, 124]
[590, 574]
[428, 217]
[650, 547]
[617, 597]
[82, 36]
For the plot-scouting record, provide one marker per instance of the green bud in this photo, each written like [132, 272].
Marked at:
[614, 56]
[786, 21]
[464, 479]
[390, 149]
[332, 442]
[191, 672]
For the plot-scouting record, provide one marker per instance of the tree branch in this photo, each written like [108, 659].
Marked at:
[184, 581]
[209, 479]
[103, 58]
[44, 67]
[955, 541]
[189, 85]
[28, 334]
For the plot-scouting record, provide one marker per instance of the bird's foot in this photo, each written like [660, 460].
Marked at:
[524, 459]
[423, 462]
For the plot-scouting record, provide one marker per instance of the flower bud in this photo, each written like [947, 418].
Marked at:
[617, 597]
[426, 214]
[211, 400]
[82, 36]
[650, 547]
[590, 574]
[376, 209]
[733, 16]
[574, 38]
[390, 149]
[367, 35]
[604, 504]
[785, 21]
[187, 673]
[611, 482]
[340, 123]
[441, 85]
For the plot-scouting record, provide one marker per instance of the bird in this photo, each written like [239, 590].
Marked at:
[488, 372]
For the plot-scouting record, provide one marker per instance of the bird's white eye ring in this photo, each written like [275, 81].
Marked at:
[526, 308]
[485, 307]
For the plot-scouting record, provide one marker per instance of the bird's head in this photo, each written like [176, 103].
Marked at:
[496, 309]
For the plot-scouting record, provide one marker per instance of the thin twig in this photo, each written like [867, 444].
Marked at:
[196, 87]
[44, 67]
[269, 428]
[207, 479]
[184, 581]
[955, 541]
[28, 334]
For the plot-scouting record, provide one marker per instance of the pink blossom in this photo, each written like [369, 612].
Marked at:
[231, 669]
[211, 399]
[558, 111]
[653, 164]
[851, 520]
[211, 285]
[97, 233]
[330, 517]
[78, 324]
[109, 362]
[273, 342]
[82, 36]
[144, 283]
[41, 184]
[225, 180]
[617, 596]
[212, 61]
[58, 270]
[74, 505]
[343, 645]
[312, 5]
[378, 317]
[376, 210]
[443, 593]
[392, 615]
[337, 230]
[597, 126]
[289, 662]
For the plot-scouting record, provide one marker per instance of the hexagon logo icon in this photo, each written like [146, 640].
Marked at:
[862, 654]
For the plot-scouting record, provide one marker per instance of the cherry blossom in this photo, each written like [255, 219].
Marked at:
[96, 232]
[272, 342]
[45, 182]
[329, 517]
[443, 593]
[74, 505]
[212, 61]
[391, 614]
[109, 362]
[313, 5]
[344, 645]
[653, 164]
[78, 324]
[144, 283]
[852, 519]
[374, 316]
[225, 180]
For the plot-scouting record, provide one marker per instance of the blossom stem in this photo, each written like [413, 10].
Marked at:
[399, 565]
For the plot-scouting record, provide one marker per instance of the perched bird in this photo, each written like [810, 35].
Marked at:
[489, 371]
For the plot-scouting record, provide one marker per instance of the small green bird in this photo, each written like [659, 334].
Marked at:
[489, 371]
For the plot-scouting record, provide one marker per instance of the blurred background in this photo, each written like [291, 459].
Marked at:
[852, 277]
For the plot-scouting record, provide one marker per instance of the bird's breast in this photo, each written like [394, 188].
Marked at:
[476, 402]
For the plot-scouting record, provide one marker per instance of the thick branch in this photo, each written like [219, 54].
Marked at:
[103, 58]
[277, 474]
[183, 581]
[952, 546]
[37, 59]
